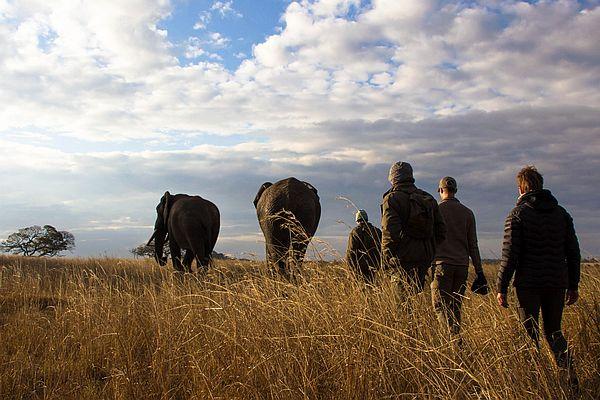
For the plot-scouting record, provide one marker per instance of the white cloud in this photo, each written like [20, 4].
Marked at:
[204, 19]
[225, 8]
[194, 48]
[217, 40]
[483, 150]
[95, 78]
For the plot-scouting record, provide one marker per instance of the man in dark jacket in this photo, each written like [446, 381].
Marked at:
[452, 257]
[411, 226]
[363, 253]
[541, 249]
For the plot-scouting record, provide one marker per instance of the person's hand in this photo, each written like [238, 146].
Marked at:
[572, 297]
[502, 301]
[480, 284]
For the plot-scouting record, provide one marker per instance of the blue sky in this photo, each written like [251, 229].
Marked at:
[108, 104]
[242, 23]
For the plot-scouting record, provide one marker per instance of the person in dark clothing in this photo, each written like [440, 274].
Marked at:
[541, 250]
[363, 253]
[411, 226]
[451, 266]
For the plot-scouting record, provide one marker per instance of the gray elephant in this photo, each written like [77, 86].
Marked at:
[191, 224]
[288, 213]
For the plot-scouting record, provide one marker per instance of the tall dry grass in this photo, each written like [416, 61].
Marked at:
[124, 329]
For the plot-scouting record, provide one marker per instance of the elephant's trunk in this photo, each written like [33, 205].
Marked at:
[159, 243]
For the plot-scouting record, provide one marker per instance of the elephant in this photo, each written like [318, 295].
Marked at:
[288, 214]
[190, 223]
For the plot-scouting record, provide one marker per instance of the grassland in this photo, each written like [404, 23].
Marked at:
[127, 329]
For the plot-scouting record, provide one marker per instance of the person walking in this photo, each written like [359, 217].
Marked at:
[451, 265]
[363, 253]
[541, 250]
[411, 226]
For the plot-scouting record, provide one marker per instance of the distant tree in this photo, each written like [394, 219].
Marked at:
[145, 250]
[220, 256]
[38, 241]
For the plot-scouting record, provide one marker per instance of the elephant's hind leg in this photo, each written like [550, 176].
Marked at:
[200, 256]
[299, 246]
[175, 256]
[187, 260]
[276, 258]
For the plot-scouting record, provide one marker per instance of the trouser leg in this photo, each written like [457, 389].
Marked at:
[367, 274]
[553, 302]
[416, 275]
[459, 285]
[441, 289]
[447, 290]
[529, 311]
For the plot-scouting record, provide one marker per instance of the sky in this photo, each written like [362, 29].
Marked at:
[106, 105]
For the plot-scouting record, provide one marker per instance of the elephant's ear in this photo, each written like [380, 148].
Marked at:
[167, 198]
[311, 187]
[260, 192]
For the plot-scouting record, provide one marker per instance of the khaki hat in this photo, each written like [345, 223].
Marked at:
[361, 215]
[448, 182]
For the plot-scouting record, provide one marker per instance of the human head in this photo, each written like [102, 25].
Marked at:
[361, 216]
[401, 172]
[447, 187]
[529, 180]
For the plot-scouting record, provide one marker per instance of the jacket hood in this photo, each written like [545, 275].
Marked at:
[401, 172]
[542, 200]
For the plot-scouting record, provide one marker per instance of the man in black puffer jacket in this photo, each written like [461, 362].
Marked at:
[541, 250]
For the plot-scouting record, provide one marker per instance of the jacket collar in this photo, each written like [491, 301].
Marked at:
[406, 187]
[450, 199]
[538, 199]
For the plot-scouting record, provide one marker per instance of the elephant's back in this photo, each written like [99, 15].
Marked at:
[294, 196]
[196, 210]
[287, 194]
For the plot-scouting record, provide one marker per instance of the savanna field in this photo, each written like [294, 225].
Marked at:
[122, 329]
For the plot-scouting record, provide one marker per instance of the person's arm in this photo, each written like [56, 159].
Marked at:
[351, 249]
[391, 222]
[439, 227]
[510, 252]
[573, 255]
[473, 245]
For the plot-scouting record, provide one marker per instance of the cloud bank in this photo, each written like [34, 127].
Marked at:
[100, 117]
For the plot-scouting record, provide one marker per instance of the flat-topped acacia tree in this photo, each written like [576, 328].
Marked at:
[37, 241]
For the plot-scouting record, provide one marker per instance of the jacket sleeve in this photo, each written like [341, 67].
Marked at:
[573, 254]
[350, 249]
[473, 245]
[391, 221]
[510, 251]
[439, 225]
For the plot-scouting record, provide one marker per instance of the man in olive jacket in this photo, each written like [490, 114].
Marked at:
[363, 253]
[411, 226]
[542, 251]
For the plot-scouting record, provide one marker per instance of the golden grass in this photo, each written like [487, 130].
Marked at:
[125, 329]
